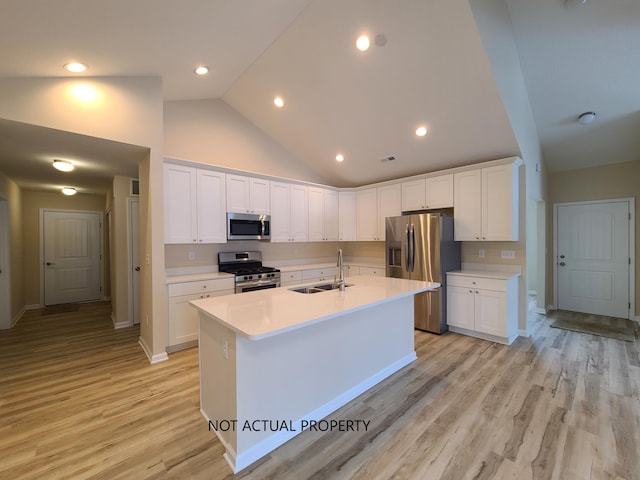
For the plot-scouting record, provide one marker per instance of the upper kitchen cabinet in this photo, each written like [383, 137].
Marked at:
[373, 206]
[428, 193]
[347, 216]
[486, 203]
[194, 205]
[289, 212]
[323, 214]
[247, 194]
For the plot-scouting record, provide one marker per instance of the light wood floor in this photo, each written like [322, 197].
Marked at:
[80, 400]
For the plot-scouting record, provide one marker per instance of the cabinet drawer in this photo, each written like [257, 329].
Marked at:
[319, 273]
[494, 284]
[378, 272]
[192, 288]
[290, 278]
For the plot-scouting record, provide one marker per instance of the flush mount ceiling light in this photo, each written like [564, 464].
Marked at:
[362, 43]
[201, 70]
[63, 165]
[75, 67]
[575, 3]
[421, 131]
[69, 191]
[339, 157]
[278, 102]
[586, 117]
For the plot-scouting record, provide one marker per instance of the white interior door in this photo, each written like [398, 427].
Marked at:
[5, 287]
[71, 255]
[134, 263]
[593, 258]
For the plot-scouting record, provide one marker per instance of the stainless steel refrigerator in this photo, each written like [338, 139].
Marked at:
[421, 247]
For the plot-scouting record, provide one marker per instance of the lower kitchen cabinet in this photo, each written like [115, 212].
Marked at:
[319, 274]
[378, 272]
[483, 306]
[183, 318]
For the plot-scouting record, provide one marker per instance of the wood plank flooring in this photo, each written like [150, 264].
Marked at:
[80, 400]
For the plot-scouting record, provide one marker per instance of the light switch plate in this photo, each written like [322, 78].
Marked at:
[192, 255]
[508, 254]
[481, 253]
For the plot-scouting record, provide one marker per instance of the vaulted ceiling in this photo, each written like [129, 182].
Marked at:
[428, 67]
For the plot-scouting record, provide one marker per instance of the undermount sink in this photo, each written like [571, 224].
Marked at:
[321, 287]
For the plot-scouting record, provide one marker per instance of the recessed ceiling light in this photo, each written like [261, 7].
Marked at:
[201, 70]
[75, 67]
[63, 165]
[278, 102]
[339, 157]
[586, 117]
[69, 191]
[421, 131]
[362, 43]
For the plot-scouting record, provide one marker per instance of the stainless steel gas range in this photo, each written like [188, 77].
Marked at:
[249, 271]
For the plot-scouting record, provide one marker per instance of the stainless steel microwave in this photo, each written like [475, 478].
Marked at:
[248, 226]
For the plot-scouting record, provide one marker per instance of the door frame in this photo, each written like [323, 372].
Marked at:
[100, 246]
[632, 248]
[5, 263]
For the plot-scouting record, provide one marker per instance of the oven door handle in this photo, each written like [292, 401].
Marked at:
[257, 283]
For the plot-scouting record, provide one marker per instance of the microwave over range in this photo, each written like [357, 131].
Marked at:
[248, 226]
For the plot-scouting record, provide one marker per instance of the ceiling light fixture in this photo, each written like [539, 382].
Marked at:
[362, 43]
[75, 67]
[339, 157]
[421, 131]
[69, 191]
[575, 3]
[586, 117]
[201, 70]
[278, 102]
[63, 165]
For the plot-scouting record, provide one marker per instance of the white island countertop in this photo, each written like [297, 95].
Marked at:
[265, 313]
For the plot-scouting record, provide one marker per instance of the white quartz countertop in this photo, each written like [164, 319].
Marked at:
[264, 313]
[484, 274]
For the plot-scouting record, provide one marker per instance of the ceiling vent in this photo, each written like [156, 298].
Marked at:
[390, 158]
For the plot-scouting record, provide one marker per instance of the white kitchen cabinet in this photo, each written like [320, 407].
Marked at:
[375, 271]
[351, 270]
[248, 194]
[484, 307]
[290, 278]
[194, 204]
[183, 318]
[323, 214]
[486, 203]
[428, 193]
[373, 205]
[289, 212]
[319, 274]
[347, 216]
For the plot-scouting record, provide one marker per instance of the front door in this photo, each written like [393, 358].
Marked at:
[593, 258]
[71, 257]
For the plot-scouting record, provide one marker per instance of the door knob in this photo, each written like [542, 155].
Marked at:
[562, 264]
[137, 269]
[561, 256]
[50, 263]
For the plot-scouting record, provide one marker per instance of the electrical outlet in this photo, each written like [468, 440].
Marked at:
[508, 254]
[192, 255]
[481, 253]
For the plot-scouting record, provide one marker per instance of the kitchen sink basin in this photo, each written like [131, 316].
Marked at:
[321, 287]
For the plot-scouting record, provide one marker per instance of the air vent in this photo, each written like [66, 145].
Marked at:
[390, 158]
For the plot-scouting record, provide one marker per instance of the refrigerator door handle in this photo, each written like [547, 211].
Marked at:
[412, 248]
[407, 256]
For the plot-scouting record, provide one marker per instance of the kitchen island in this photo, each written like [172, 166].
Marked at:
[273, 362]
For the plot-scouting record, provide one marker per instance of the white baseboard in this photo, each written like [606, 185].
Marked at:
[542, 311]
[17, 318]
[161, 357]
[551, 307]
[524, 333]
[33, 306]
[118, 325]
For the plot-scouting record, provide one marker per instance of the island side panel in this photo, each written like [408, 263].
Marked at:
[218, 377]
[317, 369]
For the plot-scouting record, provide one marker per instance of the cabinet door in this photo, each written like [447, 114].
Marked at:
[330, 215]
[299, 213]
[280, 212]
[499, 204]
[183, 319]
[316, 214]
[180, 204]
[237, 194]
[491, 312]
[259, 201]
[347, 216]
[376, 272]
[367, 214]
[439, 191]
[211, 207]
[460, 307]
[467, 205]
[413, 195]
[389, 205]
